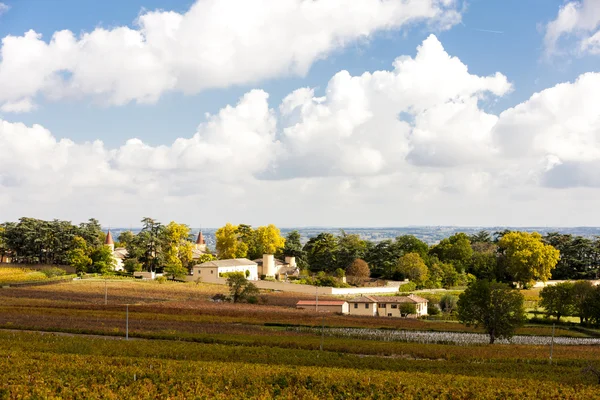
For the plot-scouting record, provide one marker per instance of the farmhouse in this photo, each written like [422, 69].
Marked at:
[387, 306]
[336, 306]
[210, 271]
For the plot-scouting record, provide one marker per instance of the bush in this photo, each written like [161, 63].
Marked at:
[448, 303]
[53, 272]
[161, 279]
[407, 287]
[432, 309]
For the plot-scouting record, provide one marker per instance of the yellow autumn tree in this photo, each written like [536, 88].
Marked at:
[269, 239]
[229, 244]
[177, 249]
[527, 257]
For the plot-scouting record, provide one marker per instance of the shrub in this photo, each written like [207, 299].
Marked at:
[432, 309]
[53, 272]
[358, 271]
[407, 287]
[407, 309]
[161, 279]
[448, 303]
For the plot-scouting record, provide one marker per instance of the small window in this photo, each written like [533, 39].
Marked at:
[394, 305]
[389, 314]
[382, 305]
[366, 305]
[212, 272]
[355, 305]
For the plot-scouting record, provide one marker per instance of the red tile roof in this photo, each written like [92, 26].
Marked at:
[109, 239]
[200, 239]
[321, 303]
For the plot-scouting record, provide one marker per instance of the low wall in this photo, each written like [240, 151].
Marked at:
[550, 283]
[308, 289]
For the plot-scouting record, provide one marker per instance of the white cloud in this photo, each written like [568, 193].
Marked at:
[579, 18]
[216, 43]
[4, 8]
[411, 145]
[21, 106]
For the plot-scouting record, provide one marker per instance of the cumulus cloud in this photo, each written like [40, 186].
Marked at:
[578, 18]
[3, 8]
[216, 43]
[415, 137]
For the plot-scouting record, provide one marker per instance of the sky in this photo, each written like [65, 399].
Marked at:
[301, 113]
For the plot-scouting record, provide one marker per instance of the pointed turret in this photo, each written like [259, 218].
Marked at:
[200, 239]
[109, 241]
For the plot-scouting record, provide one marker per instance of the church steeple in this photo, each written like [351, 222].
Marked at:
[200, 239]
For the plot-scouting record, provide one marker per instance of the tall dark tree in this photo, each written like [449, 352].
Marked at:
[293, 248]
[456, 250]
[494, 306]
[321, 252]
[411, 244]
[350, 247]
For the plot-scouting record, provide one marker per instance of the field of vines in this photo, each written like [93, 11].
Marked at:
[55, 366]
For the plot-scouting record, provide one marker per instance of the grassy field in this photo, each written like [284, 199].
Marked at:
[183, 345]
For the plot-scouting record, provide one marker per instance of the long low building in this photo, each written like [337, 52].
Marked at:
[373, 306]
[387, 306]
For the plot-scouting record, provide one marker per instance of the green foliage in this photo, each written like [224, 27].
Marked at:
[407, 287]
[494, 306]
[432, 309]
[349, 248]
[78, 256]
[578, 256]
[448, 303]
[455, 250]
[53, 272]
[527, 258]
[411, 244]
[240, 289]
[230, 243]
[408, 309]
[321, 252]
[132, 265]
[161, 279]
[558, 300]
[413, 267]
[102, 261]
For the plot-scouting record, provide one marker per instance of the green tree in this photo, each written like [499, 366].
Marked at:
[321, 252]
[583, 292]
[240, 289]
[578, 256]
[293, 248]
[149, 241]
[456, 250]
[494, 306]
[484, 261]
[527, 258]
[448, 303]
[358, 271]
[349, 248]
[558, 299]
[78, 256]
[411, 244]
[229, 243]
[407, 309]
[103, 261]
[132, 265]
[481, 237]
[383, 259]
[413, 267]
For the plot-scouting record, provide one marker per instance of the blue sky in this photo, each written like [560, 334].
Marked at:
[509, 37]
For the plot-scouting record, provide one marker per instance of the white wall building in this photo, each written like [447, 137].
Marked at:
[210, 271]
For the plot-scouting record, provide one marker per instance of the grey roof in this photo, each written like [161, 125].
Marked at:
[234, 262]
[363, 299]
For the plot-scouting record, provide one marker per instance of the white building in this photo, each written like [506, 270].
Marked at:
[212, 270]
[271, 267]
[387, 306]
